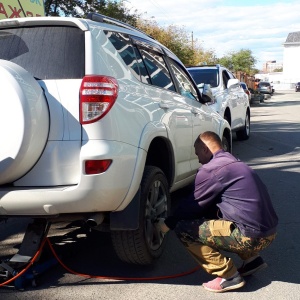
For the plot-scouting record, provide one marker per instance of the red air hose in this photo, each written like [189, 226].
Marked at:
[94, 276]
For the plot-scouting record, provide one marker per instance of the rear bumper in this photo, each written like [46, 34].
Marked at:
[93, 193]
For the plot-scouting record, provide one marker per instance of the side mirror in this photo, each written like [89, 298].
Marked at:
[232, 83]
[207, 94]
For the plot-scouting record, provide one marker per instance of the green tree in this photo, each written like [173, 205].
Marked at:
[79, 8]
[242, 61]
[179, 41]
[278, 70]
[63, 8]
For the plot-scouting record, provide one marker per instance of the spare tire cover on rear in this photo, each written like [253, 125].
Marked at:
[24, 121]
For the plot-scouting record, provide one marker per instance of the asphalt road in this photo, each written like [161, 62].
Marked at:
[273, 150]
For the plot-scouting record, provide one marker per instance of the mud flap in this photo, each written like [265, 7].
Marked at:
[127, 219]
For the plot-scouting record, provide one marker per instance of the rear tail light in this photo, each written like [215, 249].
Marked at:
[97, 96]
[96, 166]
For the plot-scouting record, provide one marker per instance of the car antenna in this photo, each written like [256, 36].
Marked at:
[22, 8]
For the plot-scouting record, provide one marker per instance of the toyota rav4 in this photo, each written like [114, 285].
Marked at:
[229, 98]
[98, 122]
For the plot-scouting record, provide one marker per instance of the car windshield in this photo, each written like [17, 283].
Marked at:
[209, 76]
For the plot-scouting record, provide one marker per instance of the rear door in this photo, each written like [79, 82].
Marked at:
[233, 98]
[202, 115]
[242, 103]
[176, 115]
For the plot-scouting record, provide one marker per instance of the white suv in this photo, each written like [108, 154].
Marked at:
[229, 98]
[98, 122]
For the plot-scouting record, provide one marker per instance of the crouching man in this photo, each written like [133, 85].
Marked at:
[230, 210]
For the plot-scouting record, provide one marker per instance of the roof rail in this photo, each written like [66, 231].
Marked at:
[102, 19]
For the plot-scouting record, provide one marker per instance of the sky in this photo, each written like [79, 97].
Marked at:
[229, 25]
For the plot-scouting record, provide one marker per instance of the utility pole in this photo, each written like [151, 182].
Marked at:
[193, 41]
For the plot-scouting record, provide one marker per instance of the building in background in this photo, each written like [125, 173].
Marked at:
[271, 66]
[291, 58]
[290, 75]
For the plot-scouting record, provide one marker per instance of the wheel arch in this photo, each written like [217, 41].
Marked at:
[160, 154]
[227, 115]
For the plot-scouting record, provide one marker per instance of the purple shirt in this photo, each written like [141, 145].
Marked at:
[238, 192]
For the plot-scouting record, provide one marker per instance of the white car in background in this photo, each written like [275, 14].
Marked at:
[229, 98]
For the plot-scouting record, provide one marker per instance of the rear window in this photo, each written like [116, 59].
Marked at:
[208, 76]
[46, 52]
[264, 84]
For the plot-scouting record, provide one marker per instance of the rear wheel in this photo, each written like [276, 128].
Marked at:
[144, 245]
[244, 133]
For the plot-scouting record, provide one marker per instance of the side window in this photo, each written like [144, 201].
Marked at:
[143, 71]
[225, 77]
[122, 43]
[156, 68]
[231, 75]
[186, 87]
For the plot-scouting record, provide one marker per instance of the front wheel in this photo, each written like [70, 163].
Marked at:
[225, 144]
[145, 244]
[244, 133]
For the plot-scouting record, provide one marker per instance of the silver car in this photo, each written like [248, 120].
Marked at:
[265, 87]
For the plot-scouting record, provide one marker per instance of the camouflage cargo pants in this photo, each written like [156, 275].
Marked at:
[205, 238]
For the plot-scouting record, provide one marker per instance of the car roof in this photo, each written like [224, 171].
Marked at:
[84, 25]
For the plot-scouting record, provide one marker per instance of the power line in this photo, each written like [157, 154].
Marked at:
[161, 9]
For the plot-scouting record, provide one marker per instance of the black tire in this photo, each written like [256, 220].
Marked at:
[146, 244]
[226, 144]
[244, 133]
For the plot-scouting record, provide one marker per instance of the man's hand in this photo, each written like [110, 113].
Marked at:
[161, 226]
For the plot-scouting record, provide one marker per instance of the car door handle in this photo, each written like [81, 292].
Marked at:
[165, 104]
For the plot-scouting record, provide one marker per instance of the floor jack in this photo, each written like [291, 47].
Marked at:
[35, 234]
